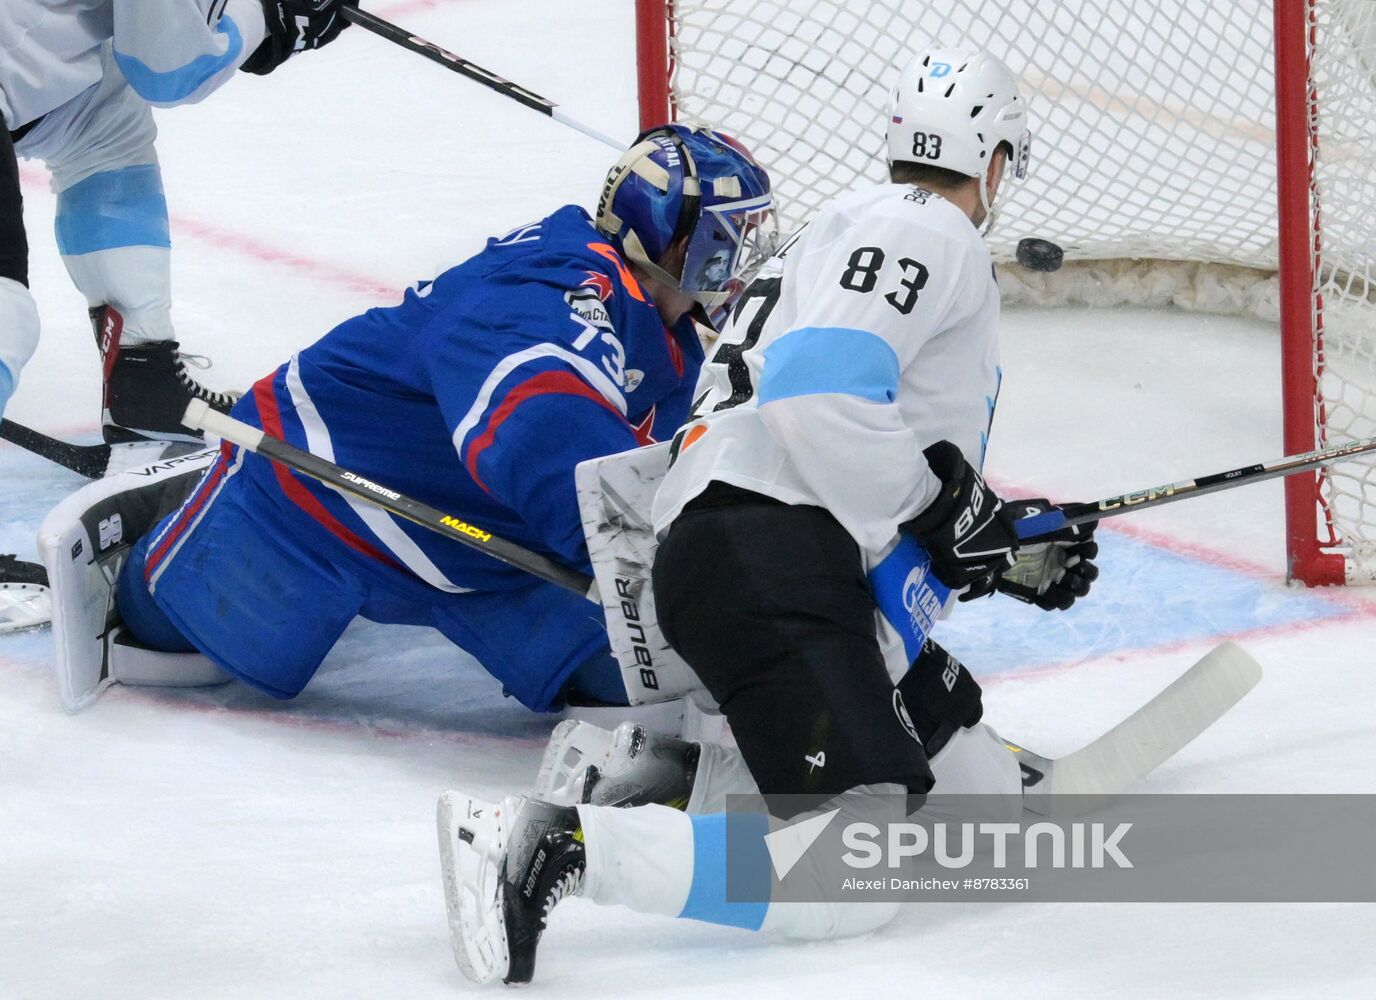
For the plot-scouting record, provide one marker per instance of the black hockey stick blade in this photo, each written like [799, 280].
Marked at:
[89, 460]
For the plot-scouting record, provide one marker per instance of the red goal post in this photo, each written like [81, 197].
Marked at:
[1137, 108]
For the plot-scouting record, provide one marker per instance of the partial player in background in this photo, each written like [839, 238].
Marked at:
[566, 339]
[77, 78]
[77, 81]
[846, 409]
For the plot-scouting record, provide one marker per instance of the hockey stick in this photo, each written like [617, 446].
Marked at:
[474, 72]
[1107, 766]
[199, 415]
[89, 460]
[1289, 465]
[1143, 741]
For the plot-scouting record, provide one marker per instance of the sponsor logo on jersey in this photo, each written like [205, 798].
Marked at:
[920, 600]
[588, 306]
[634, 376]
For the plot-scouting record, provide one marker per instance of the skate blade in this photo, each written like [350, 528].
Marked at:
[573, 748]
[472, 839]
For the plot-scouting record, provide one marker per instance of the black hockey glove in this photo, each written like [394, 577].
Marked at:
[967, 530]
[1055, 570]
[294, 25]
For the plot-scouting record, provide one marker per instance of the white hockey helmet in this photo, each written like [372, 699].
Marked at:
[953, 108]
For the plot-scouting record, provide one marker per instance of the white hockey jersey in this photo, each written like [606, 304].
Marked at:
[871, 336]
[171, 51]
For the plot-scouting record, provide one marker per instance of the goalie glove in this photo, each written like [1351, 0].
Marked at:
[295, 25]
[1056, 569]
[967, 531]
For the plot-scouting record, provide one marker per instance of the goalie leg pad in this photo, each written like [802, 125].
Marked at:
[84, 542]
[770, 606]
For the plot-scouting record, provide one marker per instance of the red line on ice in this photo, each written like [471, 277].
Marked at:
[258, 250]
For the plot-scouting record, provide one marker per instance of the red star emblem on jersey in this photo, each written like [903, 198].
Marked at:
[601, 283]
[642, 429]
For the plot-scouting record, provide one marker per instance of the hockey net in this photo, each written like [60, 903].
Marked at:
[1156, 165]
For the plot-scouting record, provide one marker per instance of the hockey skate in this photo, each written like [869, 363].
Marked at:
[84, 542]
[628, 766]
[25, 601]
[147, 386]
[505, 867]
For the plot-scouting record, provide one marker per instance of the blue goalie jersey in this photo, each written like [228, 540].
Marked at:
[479, 394]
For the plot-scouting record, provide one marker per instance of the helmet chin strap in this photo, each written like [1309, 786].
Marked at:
[991, 214]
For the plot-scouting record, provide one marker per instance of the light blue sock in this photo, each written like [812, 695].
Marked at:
[749, 870]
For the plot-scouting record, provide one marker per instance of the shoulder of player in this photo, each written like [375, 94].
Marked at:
[563, 251]
[895, 217]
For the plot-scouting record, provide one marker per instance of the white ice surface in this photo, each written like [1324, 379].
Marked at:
[217, 844]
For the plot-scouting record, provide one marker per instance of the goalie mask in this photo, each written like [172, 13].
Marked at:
[953, 109]
[689, 183]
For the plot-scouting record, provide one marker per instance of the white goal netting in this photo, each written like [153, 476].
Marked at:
[1154, 131]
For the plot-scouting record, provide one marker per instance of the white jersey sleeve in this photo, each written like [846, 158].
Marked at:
[171, 51]
[876, 339]
[179, 51]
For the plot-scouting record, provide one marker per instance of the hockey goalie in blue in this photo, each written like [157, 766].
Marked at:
[566, 339]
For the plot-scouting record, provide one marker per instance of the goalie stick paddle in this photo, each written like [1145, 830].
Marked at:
[89, 460]
[1127, 753]
[199, 415]
[473, 71]
[1030, 528]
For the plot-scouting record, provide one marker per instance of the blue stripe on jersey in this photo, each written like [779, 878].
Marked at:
[829, 359]
[747, 868]
[112, 209]
[173, 85]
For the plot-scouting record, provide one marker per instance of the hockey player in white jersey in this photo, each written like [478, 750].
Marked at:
[77, 81]
[77, 78]
[831, 463]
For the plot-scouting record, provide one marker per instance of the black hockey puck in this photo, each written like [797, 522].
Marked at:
[1040, 255]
